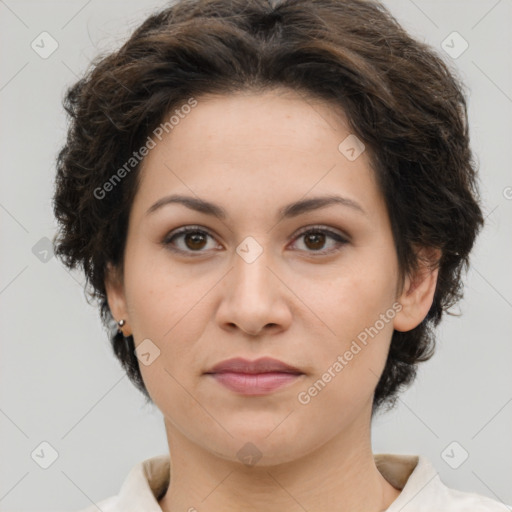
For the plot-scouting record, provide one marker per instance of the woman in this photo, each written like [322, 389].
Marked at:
[273, 205]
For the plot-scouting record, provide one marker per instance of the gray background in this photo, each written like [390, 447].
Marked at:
[61, 384]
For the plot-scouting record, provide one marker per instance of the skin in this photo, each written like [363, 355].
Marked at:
[253, 153]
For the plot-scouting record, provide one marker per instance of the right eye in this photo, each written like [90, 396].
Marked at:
[193, 240]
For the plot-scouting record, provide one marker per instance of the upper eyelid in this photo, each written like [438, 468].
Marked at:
[320, 227]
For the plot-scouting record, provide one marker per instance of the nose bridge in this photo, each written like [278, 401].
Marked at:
[251, 275]
[252, 291]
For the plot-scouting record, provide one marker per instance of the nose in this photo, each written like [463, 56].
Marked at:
[254, 298]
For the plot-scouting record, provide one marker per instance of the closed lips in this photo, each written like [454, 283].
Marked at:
[262, 365]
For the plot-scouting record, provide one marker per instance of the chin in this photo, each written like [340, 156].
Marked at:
[262, 443]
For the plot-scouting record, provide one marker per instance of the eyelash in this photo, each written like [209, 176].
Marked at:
[341, 240]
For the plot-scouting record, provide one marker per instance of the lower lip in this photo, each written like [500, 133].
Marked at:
[255, 384]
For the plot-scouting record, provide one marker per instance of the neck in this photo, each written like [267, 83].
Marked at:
[340, 476]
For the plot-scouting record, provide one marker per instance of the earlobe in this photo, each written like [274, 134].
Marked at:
[418, 291]
[114, 288]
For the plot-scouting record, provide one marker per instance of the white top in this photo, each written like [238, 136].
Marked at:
[420, 485]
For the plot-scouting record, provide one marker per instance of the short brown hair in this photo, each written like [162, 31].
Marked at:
[399, 96]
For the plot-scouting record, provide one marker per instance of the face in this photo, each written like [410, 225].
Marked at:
[312, 286]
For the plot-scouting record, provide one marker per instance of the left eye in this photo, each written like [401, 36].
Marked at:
[195, 240]
[315, 238]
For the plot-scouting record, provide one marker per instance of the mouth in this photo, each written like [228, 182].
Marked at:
[258, 377]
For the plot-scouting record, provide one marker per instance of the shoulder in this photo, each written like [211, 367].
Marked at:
[453, 500]
[422, 490]
[459, 501]
[140, 489]
[106, 505]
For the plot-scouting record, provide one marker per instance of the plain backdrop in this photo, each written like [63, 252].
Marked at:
[60, 383]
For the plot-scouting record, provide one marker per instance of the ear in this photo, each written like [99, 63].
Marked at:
[116, 299]
[418, 290]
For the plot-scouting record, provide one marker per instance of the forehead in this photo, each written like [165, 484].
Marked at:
[279, 117]
[255, 146]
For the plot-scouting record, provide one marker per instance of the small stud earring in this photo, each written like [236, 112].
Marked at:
[120, 324]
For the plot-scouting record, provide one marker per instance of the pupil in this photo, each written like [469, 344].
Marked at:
[196, 239]
[318, 240]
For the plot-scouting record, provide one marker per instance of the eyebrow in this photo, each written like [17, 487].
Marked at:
[288, 211]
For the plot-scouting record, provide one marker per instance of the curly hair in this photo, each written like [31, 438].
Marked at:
[399, 97]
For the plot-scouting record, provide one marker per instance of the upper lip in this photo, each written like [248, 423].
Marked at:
[261, 365]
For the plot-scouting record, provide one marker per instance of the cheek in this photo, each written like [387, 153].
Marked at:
[357, 308]
[158, 295]
[354, 298]
[347, 373]
[171, 311]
